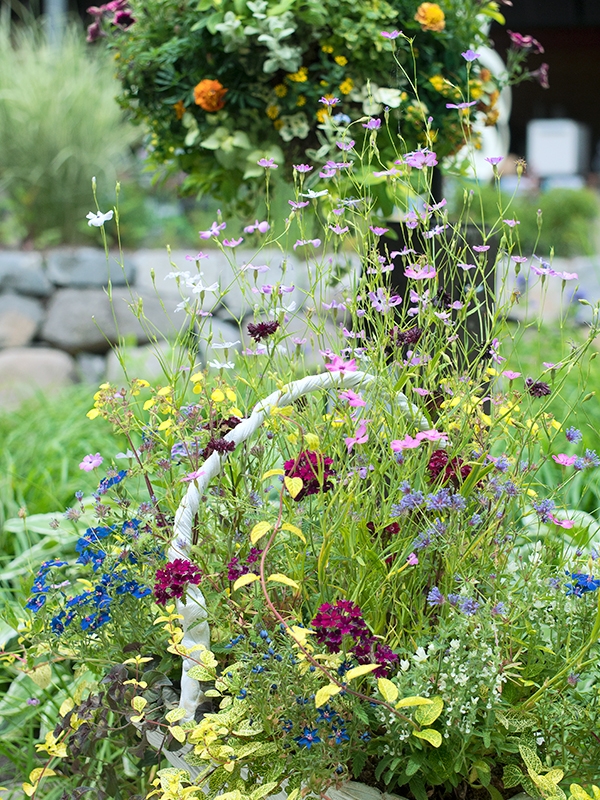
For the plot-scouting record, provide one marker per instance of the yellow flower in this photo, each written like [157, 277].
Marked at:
[475, 89]
[272, 112]
[52, 746]
[299, 77]
[430, 17]
[278, 124]
[327, 48]
[341, 60]
[322, 114]
[324, 83]
[438, 82]
[281, 90]
[179, 107]
[346, 86]
[209, 95]
[301, 101]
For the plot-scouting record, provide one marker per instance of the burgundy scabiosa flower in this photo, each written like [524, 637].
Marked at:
[173, 578]
[220, 446]
[314, 469]
[262, 330]
[537, 388]
[453, 469]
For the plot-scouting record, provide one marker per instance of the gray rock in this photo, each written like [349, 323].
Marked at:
[24, 371]
[19, 320]
[83, 319]
[91, 367]
[87, 266]
[22, 272]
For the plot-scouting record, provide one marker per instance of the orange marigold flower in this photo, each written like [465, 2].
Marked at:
[430, 17]
[179, 109]
[209, 95]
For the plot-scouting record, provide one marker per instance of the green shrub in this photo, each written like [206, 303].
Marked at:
[59, 126]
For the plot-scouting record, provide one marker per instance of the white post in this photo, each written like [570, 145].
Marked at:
[56, 15]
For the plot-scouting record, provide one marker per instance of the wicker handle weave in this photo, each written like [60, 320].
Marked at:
[193, 611]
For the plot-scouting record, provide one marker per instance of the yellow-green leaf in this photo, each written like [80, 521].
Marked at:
[325, 692]
[139, 703]
[387, 689]
[259, 530]
[427, 715]
[167, 423]
[430, 735]
[40, 772]
[271, 472]
[293, 485]
[244, 580]
[175, 715]
[277, 577]
[578, 792]
[177, 732]
[287, 526]
[41, 675]
[356, 672]
[29, 789]
[408, 702]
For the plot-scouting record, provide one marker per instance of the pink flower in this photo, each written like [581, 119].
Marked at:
[192, 476]
[511, 222]
[261, 227]
[329, 101]
[267, 163]
[338, 229]
[197, 257]
[302, 242]
[431, 436]
[421, 392]
[346, 145]
[481, 248]
[466, 266]
[303, 168]
[566, 276]
[338, 364]
[390, 34]
[564, 460]
[412, 560]
[519, 259]
[378, 231]
[508, 373]
[354, 400]
[296, 205]
[360, 436]
[494, 160]
[372, 125]
[90, 462]
[562, 523]
[421, 158]
[421, 274]
[233, 242]
[408, 443]
[386, 173]
[470, 55]
[214, 230]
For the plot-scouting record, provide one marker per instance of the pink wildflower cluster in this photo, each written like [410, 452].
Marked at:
[122, 18]
[333, 622]
[172, 579]
[315, 471]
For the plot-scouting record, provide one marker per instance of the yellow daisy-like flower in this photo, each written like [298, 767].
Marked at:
[299, 77]
[475, 89]
[301, 101]
[327, 48]
[278, 124]
[346, 86]
[431, 17]
[281, 90]
[438, 82]
[341, 60]
[272, 112]
[322, 114]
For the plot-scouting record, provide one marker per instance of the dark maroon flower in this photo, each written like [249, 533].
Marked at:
[262, 330]
[537, 388]
[124, 19]
[172, 579]
[332, 623]
[453, 469]
[220, 446]
[525, 42]
[253, 555]
[386, 658]
[409, 336]
[314, 470]
[390, 530]
[541, 75]
[235, 570]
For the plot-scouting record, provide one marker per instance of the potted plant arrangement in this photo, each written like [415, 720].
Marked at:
[368, 568]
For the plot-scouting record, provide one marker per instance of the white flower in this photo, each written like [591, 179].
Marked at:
[128, 454]
[224, 345]
[182, 306]
[177, 274]
[420, 656]
[311, 194]
[404, 664]
[221, 364]
[98, 220]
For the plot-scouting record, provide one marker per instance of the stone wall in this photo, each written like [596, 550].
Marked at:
[57, 322]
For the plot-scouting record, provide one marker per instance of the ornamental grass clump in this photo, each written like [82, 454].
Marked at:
[341, 532]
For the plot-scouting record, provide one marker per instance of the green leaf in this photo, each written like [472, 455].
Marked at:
[387, 689]
[427, 715]
[512, 776]
[430, 735]
[200, 673]
[412, 767]
[248, 728]
[531, 759]
[360, 758]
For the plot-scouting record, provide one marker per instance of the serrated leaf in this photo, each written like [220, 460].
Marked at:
[325, 692]
[287, 526]
[356, 672]
[387, 689]
[271, 472]
[200, 673]
[277, 577]
[293, 485]
[244, 580]
[175, 715]
[430, 735]
[259, 530]
[177, 732]
[408, 702]
[427, 715]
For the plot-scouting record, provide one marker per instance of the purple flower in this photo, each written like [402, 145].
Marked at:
[381, 302]
[90, 462]
[426, 272]
[262, 330]
[32, 701]
[261, 227]
[123, 19]
[524, 42]
[391, 34]
[544, 509]
[460, 106]
[470, 55]
[420, 159]
[329, 101]
[494, 160]
[346, 145]
[232, 242]
[573, 434]
[302, 168]
[267, 163]
[435, 597]
[377, 230]
[302, 242]
[499, 610]
[511, 222]
[296, 205]
[214, 230]
[541, 75]
[360, 436]
[372, 125]
[469, 607]
[537, 388]
[481, 248]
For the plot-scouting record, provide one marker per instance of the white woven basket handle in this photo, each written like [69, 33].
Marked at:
[193, 611]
